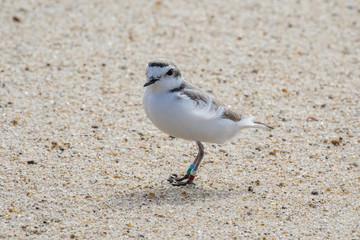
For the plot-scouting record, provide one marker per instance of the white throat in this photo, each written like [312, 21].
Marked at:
[165, 82]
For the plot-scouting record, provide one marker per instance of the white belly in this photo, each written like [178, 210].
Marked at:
[179, 117]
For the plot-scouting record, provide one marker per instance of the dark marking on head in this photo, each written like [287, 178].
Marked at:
[161, 63]
[176, 72]
[158, 64]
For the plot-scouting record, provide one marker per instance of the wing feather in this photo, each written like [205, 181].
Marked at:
[208, 104]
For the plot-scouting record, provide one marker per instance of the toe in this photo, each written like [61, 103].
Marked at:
[178, 184]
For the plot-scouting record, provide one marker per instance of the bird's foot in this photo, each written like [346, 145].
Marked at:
[188, 182]
[176, 181]
[174, 178]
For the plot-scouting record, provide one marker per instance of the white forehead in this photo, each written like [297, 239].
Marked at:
[156, 71]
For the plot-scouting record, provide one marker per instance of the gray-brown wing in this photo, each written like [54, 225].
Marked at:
[201, 98]
[232, 115]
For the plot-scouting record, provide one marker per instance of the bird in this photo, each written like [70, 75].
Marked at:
[182, 110]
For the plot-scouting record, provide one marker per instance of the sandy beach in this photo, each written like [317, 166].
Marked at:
[79, 159]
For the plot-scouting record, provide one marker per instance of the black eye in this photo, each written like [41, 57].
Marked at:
[170, 72]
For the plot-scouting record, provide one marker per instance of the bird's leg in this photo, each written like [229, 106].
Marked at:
[175, 178]
[191, 172]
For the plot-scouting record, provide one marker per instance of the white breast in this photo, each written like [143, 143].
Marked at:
[166, 112]
[179, 116]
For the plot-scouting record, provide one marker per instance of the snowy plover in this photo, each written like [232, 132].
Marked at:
[184, 111]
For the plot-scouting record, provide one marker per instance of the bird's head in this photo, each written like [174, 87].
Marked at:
[162, 75]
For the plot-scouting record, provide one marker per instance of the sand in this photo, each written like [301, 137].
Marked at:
[80, 160]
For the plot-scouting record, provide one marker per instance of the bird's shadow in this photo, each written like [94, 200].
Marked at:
[165, 194]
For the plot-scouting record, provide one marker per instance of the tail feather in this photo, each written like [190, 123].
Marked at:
[263, 125]
[248, 122]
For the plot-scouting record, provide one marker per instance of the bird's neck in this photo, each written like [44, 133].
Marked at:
[180, 88]
[168, 85]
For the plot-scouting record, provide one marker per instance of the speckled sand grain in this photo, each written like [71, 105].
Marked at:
[80, 160]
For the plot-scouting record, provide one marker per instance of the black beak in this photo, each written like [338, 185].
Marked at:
[151, 81]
